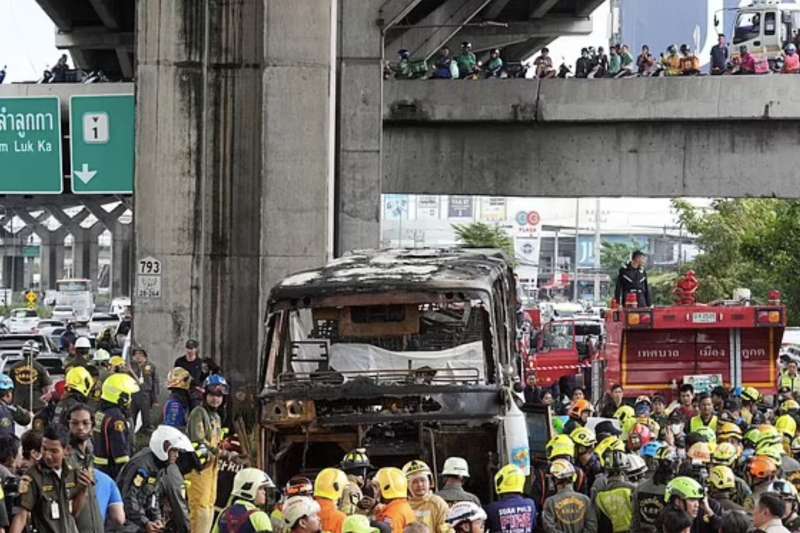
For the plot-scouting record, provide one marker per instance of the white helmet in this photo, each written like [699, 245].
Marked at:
[248, 481]
[83, 342]
[166, 438]
[636, 468]
[455, 466]
[101, 355]
[298, 507]
[465, 512]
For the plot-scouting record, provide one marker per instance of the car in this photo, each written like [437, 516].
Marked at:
[101, 321]
[120, 306]
[22, 320]
[63, 312]
[49, 323]
[49, 356]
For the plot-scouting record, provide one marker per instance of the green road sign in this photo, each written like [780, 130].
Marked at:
[101, 143]
[30, 145]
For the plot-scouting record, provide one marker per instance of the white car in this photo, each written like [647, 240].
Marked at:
[101, 321]
[63, 312]
[120, 306]
[22, 320]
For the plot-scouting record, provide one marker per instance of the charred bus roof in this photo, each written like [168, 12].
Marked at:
[395, 270]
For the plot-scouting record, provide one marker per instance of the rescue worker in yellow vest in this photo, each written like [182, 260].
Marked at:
[615, 501]
[328, 488]
[248, 496]
[706, 416]
[111, 443]
[429, 509]
[205, 430]
[790, 378]
[356, 465]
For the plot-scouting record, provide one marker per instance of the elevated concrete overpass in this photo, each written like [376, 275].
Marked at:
[720, 136]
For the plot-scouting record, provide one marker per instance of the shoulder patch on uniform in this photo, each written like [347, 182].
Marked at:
[120, 426]
[24, 484]
[138, 480]
[5, 422]
[147, 369]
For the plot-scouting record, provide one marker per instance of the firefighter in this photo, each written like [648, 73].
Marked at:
[356, 465]
[610, 443]
[761, 472]
[205, 429]
[586, 460]
[430, 509]
[627, 418]
[464, 517]
[141, 479]
[10, 413]
[706, 416]
[579, 413]
[542, 486]
[455, 473]
[729, 432]
[636, 468]
[512, 513]
[248, 497]
[111, 431]
[78, 384]
[685, 494]
[302, 515]
[726, 454]
[81, 356]
[614, 502]
[648, 499]
[722, 487]
[750, 413]
[567, 511]
[393, 487]
[788, 494]
[632, 279]
[328, 488]
[177, 406]
[296, 486]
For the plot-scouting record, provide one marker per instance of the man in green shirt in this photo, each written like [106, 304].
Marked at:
[466, 60]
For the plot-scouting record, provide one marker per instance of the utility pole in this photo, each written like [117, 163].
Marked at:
[597, 251]
[577, 248]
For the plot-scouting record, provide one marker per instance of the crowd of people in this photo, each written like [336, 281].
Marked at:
[618, 62]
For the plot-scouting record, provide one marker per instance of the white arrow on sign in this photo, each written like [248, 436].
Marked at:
[85, 175]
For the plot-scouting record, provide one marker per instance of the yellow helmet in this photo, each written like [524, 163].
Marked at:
[79, 379]
[773, 451]
[510, 479]
[786, 425]
[725, 454]
[769, 435]
[609, 443]
[392, 483]
[699, 452]
[179, 378]
[729, 430]
[788, 406]
[330, 484]
[721, 478]
[560, 446]
[116, 363]
[416, 467]
[583, 436]
[119, 389]
[751, 394]
[624, 412]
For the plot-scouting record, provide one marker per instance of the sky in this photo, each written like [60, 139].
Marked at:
[27, 40]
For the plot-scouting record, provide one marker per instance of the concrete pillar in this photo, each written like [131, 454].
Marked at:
[121, 242]
[52, 259]
[13, 272]
[360, 126]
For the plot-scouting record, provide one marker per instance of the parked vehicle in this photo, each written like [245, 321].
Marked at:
[22, 320]
[63, 312]
[101, 321]
[49, 356]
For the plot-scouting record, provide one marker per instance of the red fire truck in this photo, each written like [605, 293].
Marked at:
[650, 350]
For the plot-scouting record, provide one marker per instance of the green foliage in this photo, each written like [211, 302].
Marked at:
[753, 243]
[480, 235]
[614, 255]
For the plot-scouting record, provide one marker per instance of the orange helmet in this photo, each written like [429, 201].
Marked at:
[579, 408]
[762, 468]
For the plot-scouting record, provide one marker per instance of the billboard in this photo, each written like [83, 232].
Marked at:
[658, 24]
[427, 207]
[459, 207]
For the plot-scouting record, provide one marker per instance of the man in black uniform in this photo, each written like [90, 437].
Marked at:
[632, 278]
[111, 431]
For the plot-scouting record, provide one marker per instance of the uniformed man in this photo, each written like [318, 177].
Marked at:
[31, 379]
[356, 465]
[790, 378]
[205, 429]
[648, 499]
[140, 480]
[81, 357]
[706, 417]
[615, 501]
[10, 413]
[178, 405]
[79, 421]
[455, 472]
[248, 497]
[567, 511]
[145, 400]
[78, 385]
[632, 279]
[52, 493]
[111, 431]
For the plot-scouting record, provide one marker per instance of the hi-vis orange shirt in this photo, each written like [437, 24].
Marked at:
[397, 515]
[330, 517]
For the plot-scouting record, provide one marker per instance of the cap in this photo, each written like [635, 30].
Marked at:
[358, 524]
[191, 344]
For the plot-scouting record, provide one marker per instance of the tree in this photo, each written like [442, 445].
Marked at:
[614, 255]
[480, 235]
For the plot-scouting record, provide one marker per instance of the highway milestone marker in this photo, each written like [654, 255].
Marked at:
[102, 143]
[30, 145]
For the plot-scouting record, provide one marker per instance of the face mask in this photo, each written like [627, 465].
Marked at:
[676, 429]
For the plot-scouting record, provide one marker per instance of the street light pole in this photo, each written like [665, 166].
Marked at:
[597, 251]
[577, 248]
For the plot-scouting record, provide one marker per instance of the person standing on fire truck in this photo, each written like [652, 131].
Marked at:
[632, 279]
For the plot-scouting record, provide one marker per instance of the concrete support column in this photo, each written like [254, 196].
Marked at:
[14, 272]
[121, 259]
[52, 259]
[360, 126]
[81, 244]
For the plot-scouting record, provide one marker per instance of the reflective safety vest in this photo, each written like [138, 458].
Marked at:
[617, 505]
[791, 383]
[697, 423]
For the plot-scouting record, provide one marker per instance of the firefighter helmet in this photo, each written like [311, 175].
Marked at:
[509, 480]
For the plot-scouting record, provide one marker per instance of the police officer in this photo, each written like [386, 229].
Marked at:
[140, 480]
[52, 493]
[81, 356]
[31, 379]
[111, 431]
[79, 420]
[10, 413]
[567, 511]
[632, 279]
[145, 373]
[248, 497]
[205, 429]
[78, 384]
[178, 405]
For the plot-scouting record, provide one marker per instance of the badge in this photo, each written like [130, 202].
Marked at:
[147, 370]
[138, 480]
[48, 488]
[24, 484]
[120, 426]
[5, 422]
[38, 424]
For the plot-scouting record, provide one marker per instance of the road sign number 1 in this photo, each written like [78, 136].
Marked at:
[95, 128]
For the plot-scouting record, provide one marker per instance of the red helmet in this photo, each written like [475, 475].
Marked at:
[641, 433]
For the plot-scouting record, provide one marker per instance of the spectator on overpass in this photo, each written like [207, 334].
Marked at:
[671, 61]
[719, 56]
[3, 73]
[747, 63]
[583, 66]
[600, 63]
[446, 68]
[690, 63]
[466, 60]
[645, 63]
[626, 61]
[791, 61]
[495, 65]
[544, 65]
[614, 62]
